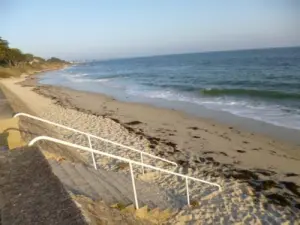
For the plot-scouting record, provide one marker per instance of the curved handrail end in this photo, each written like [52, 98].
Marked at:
[33, 141]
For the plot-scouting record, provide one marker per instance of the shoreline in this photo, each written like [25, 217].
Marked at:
[245, 124]
[218, 149]
[109, 108]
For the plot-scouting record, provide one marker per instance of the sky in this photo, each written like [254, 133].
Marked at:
[103, 29]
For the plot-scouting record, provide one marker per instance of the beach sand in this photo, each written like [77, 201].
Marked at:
[202, 147]
[188, 134]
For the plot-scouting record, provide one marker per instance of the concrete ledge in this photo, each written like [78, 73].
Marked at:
[10, 134]
[32, 193]
[5, 109]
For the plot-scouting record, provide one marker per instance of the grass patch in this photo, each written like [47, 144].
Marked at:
[28, 69]
[9, 72]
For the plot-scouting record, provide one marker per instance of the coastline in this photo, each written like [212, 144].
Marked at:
[271, 130]
[182, 130]
[218, 149]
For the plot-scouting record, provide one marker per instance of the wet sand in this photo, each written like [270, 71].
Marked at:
[189, 134]
[268, 166]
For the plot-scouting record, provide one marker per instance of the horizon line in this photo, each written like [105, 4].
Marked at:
[185, 53]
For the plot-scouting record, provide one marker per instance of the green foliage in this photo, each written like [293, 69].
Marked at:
[14, 63]
[10, 56]
[29, 57]
[55, 60]
[14, 58]
[38, 59]
[3, 42]
[3, 50]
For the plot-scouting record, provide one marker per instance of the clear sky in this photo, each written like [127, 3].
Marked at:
[79, 29]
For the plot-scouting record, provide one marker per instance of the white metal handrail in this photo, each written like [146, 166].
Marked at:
[187, 178]
[142, 153]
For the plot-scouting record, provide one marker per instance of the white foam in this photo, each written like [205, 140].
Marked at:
[267, 112]
[102, 80]
[80, 75]
[263, 111]
[75, 79]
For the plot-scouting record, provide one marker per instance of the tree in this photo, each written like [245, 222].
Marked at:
[55, 60]
[4, 42]
[3, 50]
[29, 57]
[15, 57]
[39, 59]
[10, 56]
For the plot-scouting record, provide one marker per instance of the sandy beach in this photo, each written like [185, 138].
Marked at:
[202, 147]
[179, 131]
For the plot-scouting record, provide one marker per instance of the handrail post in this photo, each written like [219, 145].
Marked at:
[142, 161]
[187, 190]
[88, 149]
[91, 135]
[133, 186]
[93, 156]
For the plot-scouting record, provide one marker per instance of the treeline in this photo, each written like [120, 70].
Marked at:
[14, 57]
[13, 62]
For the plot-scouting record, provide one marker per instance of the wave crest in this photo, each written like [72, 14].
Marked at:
[250, 93]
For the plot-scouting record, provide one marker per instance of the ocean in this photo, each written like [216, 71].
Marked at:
[263, 84]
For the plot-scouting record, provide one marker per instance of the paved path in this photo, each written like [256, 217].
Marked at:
[5, 109]
[31, 193]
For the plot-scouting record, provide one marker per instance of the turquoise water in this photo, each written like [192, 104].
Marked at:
[259, 84]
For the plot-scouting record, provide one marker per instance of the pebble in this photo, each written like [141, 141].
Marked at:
[233, 204]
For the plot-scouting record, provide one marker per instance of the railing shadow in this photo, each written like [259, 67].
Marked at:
[30, 129]
[4, 141]
[4, 144]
